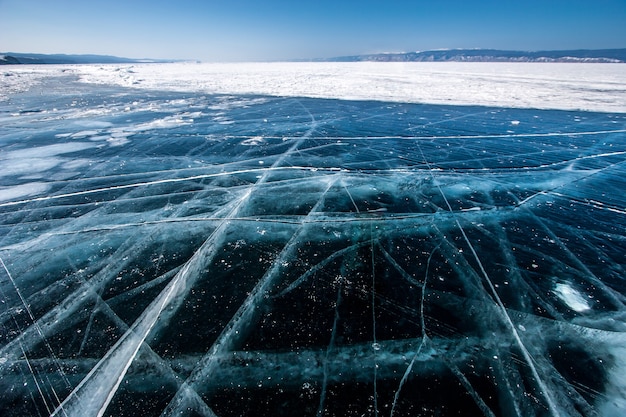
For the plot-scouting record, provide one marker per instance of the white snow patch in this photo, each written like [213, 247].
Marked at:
[76, 163]
[27, 166]
[99, 138]
[568, 86]
[46, 151]
[32, 162]
[84, 134]
[118, 140]
[254, 141]
[164, 123]
[571, 297]
[19, 191]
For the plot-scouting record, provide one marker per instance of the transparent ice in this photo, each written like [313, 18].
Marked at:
[175, 254]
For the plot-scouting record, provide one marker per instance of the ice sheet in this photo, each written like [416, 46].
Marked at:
[568, 86]
[167, 253]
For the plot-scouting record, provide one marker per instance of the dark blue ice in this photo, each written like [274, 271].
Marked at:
[167, 254]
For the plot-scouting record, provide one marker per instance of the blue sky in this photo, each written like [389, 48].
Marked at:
[257, 30]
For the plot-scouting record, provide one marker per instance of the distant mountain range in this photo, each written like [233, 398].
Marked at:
[491, 55]
[444, 55]
[11, 58]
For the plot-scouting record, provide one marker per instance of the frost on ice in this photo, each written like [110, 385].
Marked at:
[185, 254]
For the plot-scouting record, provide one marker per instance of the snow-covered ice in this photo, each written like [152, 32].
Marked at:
[569, 86]
[317, 239]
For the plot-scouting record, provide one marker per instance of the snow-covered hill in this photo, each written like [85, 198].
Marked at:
[493, 55]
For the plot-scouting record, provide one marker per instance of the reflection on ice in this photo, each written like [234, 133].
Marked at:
[179, 254]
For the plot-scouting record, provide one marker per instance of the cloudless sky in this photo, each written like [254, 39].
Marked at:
[258, 30]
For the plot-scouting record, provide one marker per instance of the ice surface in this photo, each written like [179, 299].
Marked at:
[177, 253]
[568, 86]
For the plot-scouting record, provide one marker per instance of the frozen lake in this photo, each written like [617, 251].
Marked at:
[330, 240]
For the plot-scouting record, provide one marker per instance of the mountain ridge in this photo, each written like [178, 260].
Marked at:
[14, 58]
[439, 55]
[491, 55]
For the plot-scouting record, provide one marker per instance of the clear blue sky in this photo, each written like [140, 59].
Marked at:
[257, 30]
